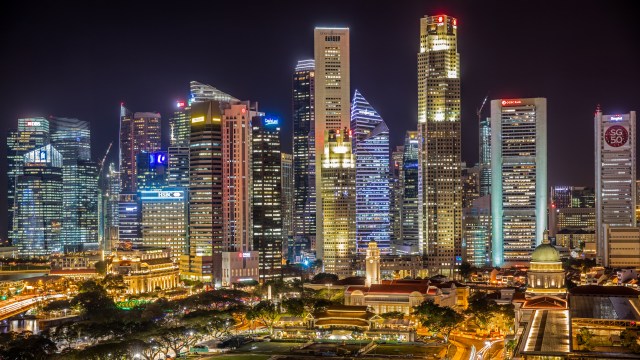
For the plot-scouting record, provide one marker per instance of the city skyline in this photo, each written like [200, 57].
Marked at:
[156, 88]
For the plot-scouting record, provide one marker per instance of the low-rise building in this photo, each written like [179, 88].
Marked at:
[145, 269]
[75, 265]
[621, 246]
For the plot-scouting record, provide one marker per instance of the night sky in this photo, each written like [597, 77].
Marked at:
[82, 59]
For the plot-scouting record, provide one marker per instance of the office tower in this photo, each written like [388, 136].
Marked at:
[622, 246]
[571, 208]
[615, 166]
[178, 151]
[37, 221]
[440, 190]
[583, 197]
[331, 102]
[561, 196]
[470, 184]
[31, 133]
[485, 156]
[519, 178]
[138, 132]
[370, 144]
[151, 170]
[476, 238]
[203, 93]
[396, 187]
[129, 219]
[304, 155]
[205, 193]
[287, 192]
[410, 207]
[236, 193]
[268, 207]
[179, 125]
[339, 203]
[111, 196]
[165, 219]
[637, 201]
[72, 138]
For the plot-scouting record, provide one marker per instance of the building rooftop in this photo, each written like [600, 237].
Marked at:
[595, 290]
[545, 253]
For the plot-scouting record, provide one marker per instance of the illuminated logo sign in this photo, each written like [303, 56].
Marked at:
[198, 119]
[271, 122]
[158, 158]
[511, 102]
[130, 208]
[43, 155]
[244, 255]
[614, 118]
[616, 136]
[180, 104]
[34, 123]
[169, 194]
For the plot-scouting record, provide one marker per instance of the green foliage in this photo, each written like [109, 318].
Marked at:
[324, 278]
[57, 305]
[585, 338]
[439, 320]
[101, 267]
[631, 340]
[266, 313]
[25, 346]
[487, 314]
[393, 315]
[466, 269]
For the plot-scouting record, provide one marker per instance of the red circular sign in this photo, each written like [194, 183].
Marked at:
[616, 136]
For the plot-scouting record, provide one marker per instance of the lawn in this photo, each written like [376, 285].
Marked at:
[239, 357]
[415, 350]
[267, 347]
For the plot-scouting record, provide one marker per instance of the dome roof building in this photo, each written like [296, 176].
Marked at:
[546, 276]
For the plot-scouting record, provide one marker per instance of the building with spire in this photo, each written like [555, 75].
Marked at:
[370, 141]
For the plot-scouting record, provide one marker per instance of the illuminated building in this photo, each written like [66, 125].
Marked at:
[110, 218]
[178, 151]
[519, 178]
[180, 126]
[485, 156]
[331, 104]
[370, 144]
[237, 190]
[440, 189]
[339, 203]
[151, 170]
[203, 93]
[287, 192]
[615, 166]
[578, 238]
[72, 138]
[138, 132]
[268, 207]
[546, 274]
[622, 246]
[470, 184]
[372, 264]
[476, 236]
[396, 188]
[410, 208]
[129, 219]
[145, 269]
[205, 192]
[37, 221]
[32, 133]
[304, 158]
[165, 219]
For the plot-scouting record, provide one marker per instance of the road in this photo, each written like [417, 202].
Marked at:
[15, 307]
[466, 344]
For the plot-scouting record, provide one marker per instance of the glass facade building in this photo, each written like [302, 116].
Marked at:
[396, 191]
[476, 239]
[410, 208]
[165, 220]
[485, 156]
[151, 170]
[370, 141]
[138, 132]
[286, 171]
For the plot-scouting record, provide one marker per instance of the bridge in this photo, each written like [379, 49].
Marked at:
[16, 307]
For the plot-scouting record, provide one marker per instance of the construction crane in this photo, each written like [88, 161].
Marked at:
[479, 111]
[104, 158]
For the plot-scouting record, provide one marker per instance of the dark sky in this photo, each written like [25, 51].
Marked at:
[82, 59]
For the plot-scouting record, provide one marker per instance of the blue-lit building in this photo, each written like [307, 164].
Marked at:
[410, 216]
[37, 221]
[151, 170]
[370, 141]
[129, 219]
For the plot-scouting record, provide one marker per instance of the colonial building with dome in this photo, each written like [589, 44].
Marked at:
[546, 276]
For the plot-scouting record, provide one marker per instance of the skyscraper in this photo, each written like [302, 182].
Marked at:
[396, 187]
[339, 203]
[304, 158]
[111, 196]
[440, 190]
[200, 92]
[267, 194]
[615, 166]
[519, 178]
[138, 132]
[164, 219]
[205, 193]
[476, 239]
[287, 191]
[370, 142]
[331, 99]
[129, 219]
[485, 156]
[178, 151]
[37, 221]
[151, 170]
[31, 133]
[410, 208]
[179, 125]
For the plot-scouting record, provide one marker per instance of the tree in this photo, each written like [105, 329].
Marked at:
[114, 284]
[101, 267]
[439, 320]
[393, 315]
[324, 278]
[465, 270]
[25, 346]
[631, 340]
[266, 313]
[487, 314]
[584, 338]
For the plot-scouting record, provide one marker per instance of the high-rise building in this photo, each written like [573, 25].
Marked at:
[396, 188]
[129, 219]
[165, 220]
[561, 196]
[331, 103]
[476, 222]
[440, 189]
[151, 170]
[519, 178]
[470, 184]
[72, 138]
[268, 207]
[178, 166]
[304, 155]
[111, 196]
[37, 220]
[138, 132]
[200, 92]
[179, 125]
[615, 166]
[485, 157]
[410, 208]
[287, 193]
[339, 204]
[31, 133]
[370, 144]
[571, 208]
[205, 193]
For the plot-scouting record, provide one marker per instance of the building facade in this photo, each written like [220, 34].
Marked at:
[622, 246]
[129, 219]
[165, 220]
[396, 190]
[151, 170]
[138, 132]
[410, 205]
[476, 238]
[439, 186]
[287, 190]
[615, 167]
[331, 104]
[485, 156]
[370, 144]
[519, 178]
